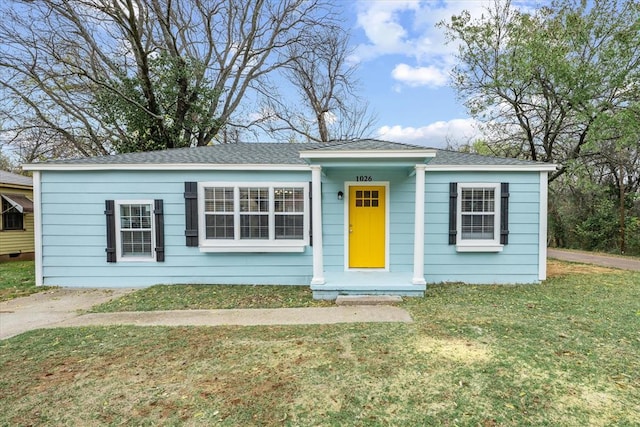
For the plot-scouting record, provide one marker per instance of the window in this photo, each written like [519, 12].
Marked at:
[367, 198]
[134, 230]
[289, 213]
[12, 218]
[251, 217]
[478, 217]
[478, 211]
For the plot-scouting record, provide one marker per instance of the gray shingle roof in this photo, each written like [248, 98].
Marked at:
[365, 144]
[282, 154]
[230, 154]
[455, 158]
[14, 179]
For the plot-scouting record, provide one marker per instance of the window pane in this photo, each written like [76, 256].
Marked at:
[478, 200]
[218, 199]
[136, 243]
[288, 199]
[254, 227]
[478, 227]
[219, 227]
[289, 226]
[135, 216]
[254, 199]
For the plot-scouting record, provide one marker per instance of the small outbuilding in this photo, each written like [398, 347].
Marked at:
[362, 217]
[16, 221]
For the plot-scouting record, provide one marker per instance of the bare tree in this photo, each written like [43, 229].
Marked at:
[137, 75]
[328, 107]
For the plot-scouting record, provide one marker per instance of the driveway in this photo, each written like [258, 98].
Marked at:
[49, 308]
[624, 263]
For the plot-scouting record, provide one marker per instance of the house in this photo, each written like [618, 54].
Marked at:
[361, 217]
[16, 221]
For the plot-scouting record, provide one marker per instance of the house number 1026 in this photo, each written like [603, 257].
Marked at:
[361, 178]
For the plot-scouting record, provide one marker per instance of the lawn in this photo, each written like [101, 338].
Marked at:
[201, 297]
[561, 353]
[17, 279]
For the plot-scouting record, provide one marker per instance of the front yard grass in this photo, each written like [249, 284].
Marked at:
[194, 297]
[17, 279]
[561, 353]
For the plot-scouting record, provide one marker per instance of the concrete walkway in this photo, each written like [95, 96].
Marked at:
[624, 263]
[59, 308]
[50, 307]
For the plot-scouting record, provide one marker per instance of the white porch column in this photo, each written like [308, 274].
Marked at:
[37, 227]
[542, 230]
[316, 209]
[418, 233]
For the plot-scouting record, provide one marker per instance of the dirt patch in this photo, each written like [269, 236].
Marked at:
[459, 351]
[558, 268]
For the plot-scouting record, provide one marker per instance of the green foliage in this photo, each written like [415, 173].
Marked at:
[540, 79]
[598, 229]
[169, 110]
[6, 164]
[585, 214]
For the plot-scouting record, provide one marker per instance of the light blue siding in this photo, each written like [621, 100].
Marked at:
[74, 231]
[517, 263]
[401, 214]
[74, 239]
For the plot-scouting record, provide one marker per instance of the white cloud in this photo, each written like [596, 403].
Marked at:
[381, 24]
[408, 29]
[419, 76]
[440, 134]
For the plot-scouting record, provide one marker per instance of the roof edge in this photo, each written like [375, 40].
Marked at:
[160, 166]
[539, 167]
[368, 154]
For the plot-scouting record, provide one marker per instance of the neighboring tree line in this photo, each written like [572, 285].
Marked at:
[561, 84]
[94, 77]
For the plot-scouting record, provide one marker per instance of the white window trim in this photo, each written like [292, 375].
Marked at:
[256, 245]
[125, 258]
[486, 245]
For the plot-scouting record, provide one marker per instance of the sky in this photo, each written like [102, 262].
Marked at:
[404, 67]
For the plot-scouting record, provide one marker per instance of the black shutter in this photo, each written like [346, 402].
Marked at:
[453, 212]
[111, 230]
[504, 213]
[158, 211]
[310, 214]
[191, 213]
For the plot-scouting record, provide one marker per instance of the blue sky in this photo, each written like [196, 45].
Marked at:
[404, 66]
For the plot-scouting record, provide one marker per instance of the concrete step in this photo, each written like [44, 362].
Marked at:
[368, 299]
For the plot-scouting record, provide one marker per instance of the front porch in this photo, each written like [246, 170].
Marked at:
[367, 283]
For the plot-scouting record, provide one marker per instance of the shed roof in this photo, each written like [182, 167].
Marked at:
[15, 179]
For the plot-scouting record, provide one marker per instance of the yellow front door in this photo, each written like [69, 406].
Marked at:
[367, 224]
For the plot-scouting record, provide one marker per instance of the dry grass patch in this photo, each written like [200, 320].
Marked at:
[557, 268]
[603, 408]
[454, 350]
